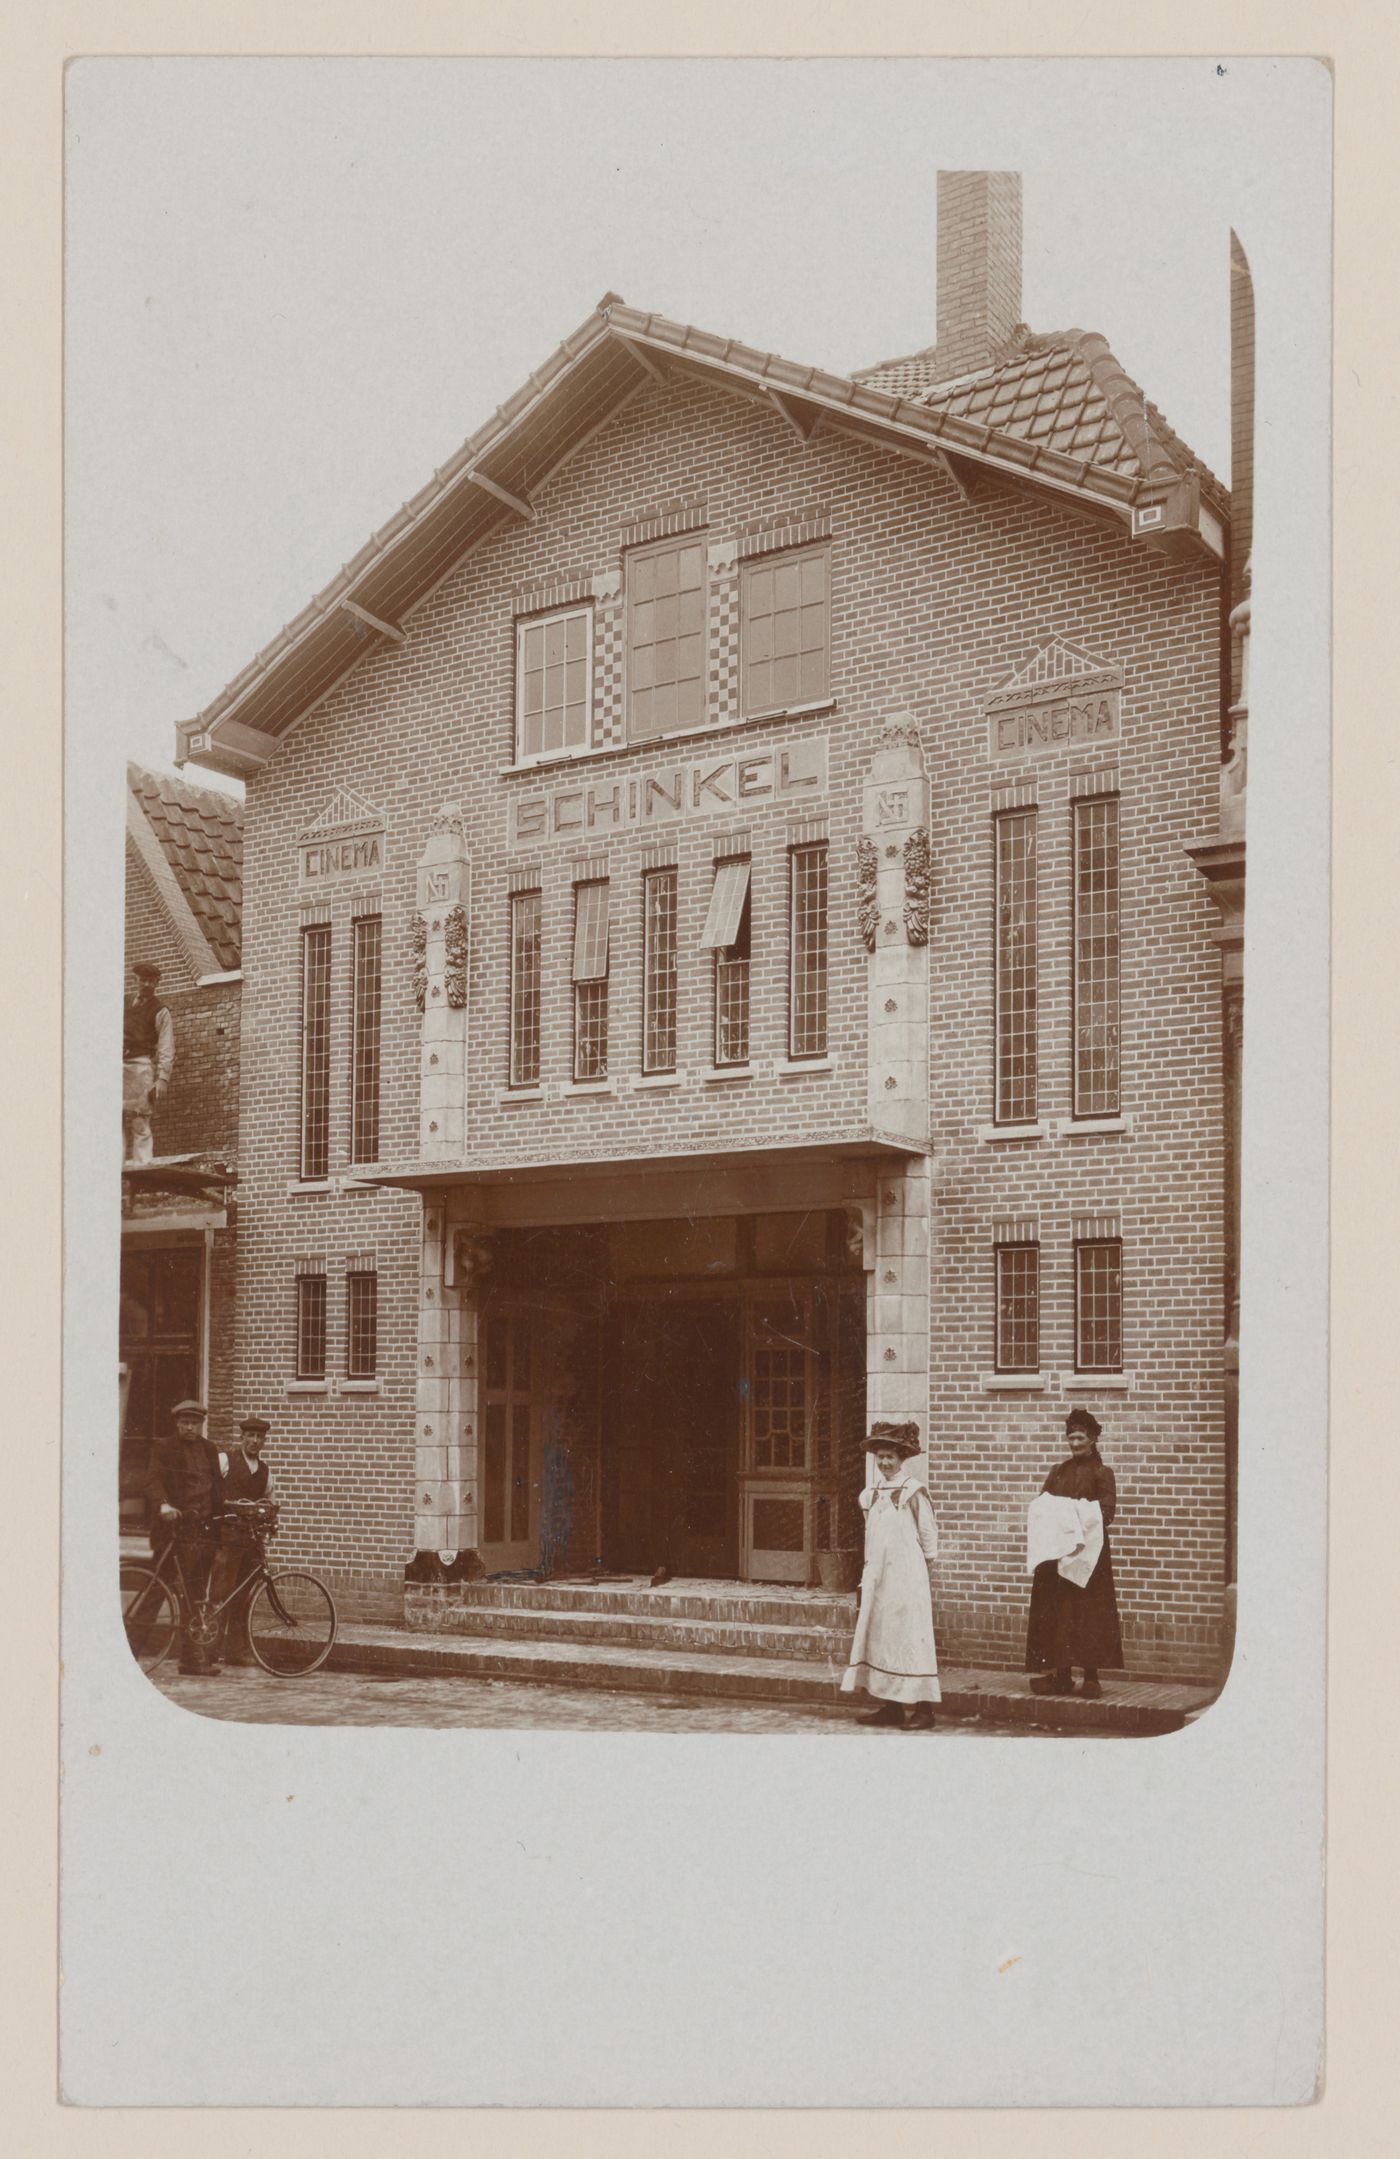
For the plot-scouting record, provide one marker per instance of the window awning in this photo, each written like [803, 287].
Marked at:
[590, 932]
[731, 889]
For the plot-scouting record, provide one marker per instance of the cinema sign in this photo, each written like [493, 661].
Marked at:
[1063, 698]
[670, 794]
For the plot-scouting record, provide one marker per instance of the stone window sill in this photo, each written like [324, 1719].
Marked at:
[509, 1096]
[599, 752]
[992, 1134]
[345, 1181]
[717, 1075]
[1088, 1382]
[310, 1184]
[360, 1386]
[658, 1079]
[796, 1067]
[308, 1386]
[1013, 1382]
[1073, 1127]
[587, 1087]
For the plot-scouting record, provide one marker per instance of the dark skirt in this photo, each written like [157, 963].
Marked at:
[1069, 1625]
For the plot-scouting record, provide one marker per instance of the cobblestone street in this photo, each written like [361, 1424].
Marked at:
[251, 1696]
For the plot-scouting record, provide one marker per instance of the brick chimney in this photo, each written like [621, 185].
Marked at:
[979, 267]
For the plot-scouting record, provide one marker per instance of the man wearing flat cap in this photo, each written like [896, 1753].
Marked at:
[184, 1489]
[245, 1476]
[148, 1057]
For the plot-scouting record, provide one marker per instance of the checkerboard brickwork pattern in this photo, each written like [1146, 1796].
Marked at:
[723, 627]
[609, 730]
[934, 600]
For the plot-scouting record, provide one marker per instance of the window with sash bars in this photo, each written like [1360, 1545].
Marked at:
[1018, 1308]
[659, 970]
[727, 934]
[553, 684]
[361, 1323]
[807, 1006]
[590, 973]
[665, 638]
[366, 994]
[1096, 957]
[1098, 1305]
[1016, 967]
[311, 1326]
[525, 922]
[315, 1050]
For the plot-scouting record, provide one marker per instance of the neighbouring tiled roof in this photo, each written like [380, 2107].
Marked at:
[1064, 392]
[200, 831]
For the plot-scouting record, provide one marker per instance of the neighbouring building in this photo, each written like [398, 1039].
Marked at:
[184, 857]
[722, 967]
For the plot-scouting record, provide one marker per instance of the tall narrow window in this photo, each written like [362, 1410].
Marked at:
[665, 639]
[591, 981]
[729, 937]
[1098, 1305]
[1096, 957]
[553, 684]
[525, 989]
[361, 1323]
[786, 633]
[1018, 1308]
[659, 971]
[315, 1049]
[311, 1326]
[1016, 967]
[364, 1048]
[808, 941]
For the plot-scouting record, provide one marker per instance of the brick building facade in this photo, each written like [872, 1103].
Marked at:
[183, 909]
[722, 967]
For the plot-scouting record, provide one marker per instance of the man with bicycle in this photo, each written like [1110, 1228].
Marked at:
[185, 1491]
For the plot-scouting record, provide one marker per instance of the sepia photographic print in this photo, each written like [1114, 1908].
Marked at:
[683, 977]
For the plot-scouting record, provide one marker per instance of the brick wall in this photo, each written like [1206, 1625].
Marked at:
[935, 599]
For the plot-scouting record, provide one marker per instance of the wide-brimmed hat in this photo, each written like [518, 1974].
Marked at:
[1081, 1419]
[189, 1409]
[903, 1438]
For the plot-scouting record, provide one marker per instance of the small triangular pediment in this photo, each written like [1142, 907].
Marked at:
[345, 812]
[1058, 662]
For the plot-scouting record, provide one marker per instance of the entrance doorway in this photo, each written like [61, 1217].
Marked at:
[511, 1441]
[671, 1436]
[159, 1341]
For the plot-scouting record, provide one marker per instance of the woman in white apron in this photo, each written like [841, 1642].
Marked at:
[892, 1656]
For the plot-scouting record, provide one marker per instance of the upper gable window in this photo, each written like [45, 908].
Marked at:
[786, 631]
[665, 639]
[553, 684]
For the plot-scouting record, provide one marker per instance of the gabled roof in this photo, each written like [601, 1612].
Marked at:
[1044, 429]
[1064, 389]
[199, 831]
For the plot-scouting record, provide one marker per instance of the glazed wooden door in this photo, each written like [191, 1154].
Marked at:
[672, 1432]
[511, 1442]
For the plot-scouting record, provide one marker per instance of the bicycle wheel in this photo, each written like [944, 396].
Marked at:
[291, 1624]
[150, 1615]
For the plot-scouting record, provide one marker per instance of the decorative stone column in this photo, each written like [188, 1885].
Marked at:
[895, 894]
[444, 1511]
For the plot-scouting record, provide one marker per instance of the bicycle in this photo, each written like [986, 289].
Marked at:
[291, 1614]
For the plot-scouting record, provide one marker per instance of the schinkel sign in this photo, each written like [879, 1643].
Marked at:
[671, 794]
[1078, 708]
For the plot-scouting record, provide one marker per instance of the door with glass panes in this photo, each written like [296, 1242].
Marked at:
[511, 1466]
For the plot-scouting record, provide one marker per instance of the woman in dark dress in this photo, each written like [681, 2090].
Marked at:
[1069, 1625]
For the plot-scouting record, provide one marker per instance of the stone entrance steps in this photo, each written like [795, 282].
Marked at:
[688, 1617]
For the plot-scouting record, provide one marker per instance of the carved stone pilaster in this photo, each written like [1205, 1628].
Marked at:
[895, 872]
[441, 944]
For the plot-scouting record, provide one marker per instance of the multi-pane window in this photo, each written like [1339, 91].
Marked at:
[665, 639]
[361, 1323]
[728, 935]
[659, 971]
[366, 995]
[315, 1049]
[591, 981]
[1016, 967]
[1018, 1308]
[786, 632]
[1098, 1305]
[1096, 957]
[553, 684]
[808, 952]
[311, 1326]
[779, 1391]
[524, 989]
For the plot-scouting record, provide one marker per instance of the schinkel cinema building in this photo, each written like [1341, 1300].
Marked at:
[722, 966]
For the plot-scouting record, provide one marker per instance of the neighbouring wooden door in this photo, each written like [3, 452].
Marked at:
[671, 1428]
[159, 1343]
[511, 1442]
